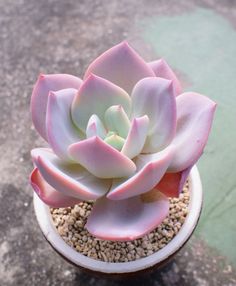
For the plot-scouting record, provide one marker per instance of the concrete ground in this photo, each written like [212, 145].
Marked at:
[198, 39]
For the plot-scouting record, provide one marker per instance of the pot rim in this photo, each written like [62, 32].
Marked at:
[45, 221]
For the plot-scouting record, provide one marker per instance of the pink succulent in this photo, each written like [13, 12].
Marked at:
[124, 137]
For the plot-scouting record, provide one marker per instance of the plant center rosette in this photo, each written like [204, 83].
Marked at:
[124, 137]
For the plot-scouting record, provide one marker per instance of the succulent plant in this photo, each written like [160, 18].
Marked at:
[124, 137]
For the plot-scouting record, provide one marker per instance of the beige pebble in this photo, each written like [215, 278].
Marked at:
[82, 212]
[130, 246]
[104, 256]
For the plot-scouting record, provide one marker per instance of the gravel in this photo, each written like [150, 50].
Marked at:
[70, 224]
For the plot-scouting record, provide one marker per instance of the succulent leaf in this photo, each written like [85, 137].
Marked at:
[100, 159]
[162, 69]
[69, 179]
[61, 131]
[115, 141]
[135, 140]
[95, 96]
[95, 127]
[155, 98]
[127, 220]
[150, 169]
[116, 120]
[48, 194]
[194, 119]
[120, 65]
[172, 184]
[39, 99]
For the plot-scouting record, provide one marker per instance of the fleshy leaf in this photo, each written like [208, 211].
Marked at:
[115, 141]
[48, 194]
[127, 220]
[95, 127]
[61, 131]
[136, 138]
[117, 120]
[172, 184]
[120, 65]
[39, 99]
[150, 169]
[101, 159]
[69, 179]
[194, 119]
[155, 98]
[94, 97]
[162, 69]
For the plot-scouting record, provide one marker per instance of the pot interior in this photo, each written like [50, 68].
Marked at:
[46, 224]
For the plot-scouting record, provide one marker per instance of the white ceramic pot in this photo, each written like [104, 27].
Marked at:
[124, 268]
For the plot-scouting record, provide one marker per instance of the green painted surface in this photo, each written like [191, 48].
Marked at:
[202, 45]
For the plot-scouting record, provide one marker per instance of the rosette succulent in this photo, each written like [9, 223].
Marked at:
[124, 137]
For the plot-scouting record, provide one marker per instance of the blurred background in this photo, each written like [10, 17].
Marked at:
[198, 40]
